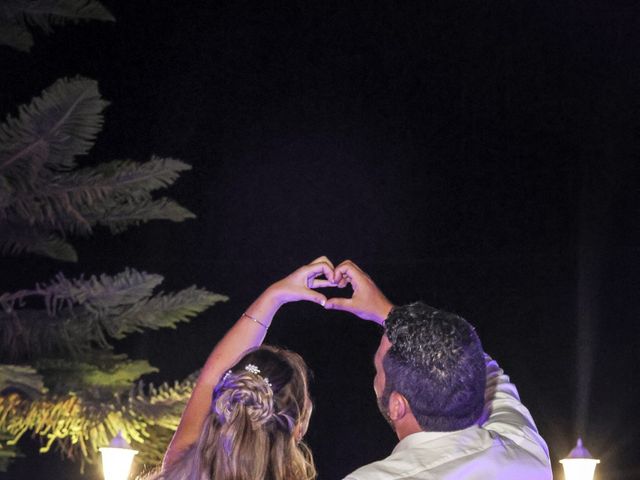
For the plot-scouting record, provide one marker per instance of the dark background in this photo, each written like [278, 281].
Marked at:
[478, 155]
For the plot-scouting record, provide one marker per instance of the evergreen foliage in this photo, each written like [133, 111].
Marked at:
[79, 315]
[44, 197]
[61, 381]
[17, 15]
[80, 423]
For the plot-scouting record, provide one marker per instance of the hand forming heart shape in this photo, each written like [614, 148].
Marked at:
[367, 301]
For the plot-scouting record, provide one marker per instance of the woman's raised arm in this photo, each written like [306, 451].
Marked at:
[248, 332]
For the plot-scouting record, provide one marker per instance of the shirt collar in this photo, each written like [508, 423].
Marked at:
[419, 438]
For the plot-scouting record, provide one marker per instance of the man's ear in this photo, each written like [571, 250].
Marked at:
[398, 406]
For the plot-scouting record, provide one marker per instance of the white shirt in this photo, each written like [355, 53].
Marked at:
[504, 446]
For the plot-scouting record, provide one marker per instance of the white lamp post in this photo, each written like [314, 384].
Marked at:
[579, 464]
[117, 459]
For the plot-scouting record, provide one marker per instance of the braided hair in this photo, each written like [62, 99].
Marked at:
[259, 412]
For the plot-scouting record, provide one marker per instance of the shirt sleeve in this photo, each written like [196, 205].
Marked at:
[506, 416]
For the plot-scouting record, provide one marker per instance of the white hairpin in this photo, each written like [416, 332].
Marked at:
[250, 367]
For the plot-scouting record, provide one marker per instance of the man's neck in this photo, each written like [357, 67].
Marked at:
[407, 426]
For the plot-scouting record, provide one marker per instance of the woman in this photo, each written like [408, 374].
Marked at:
[250, 407]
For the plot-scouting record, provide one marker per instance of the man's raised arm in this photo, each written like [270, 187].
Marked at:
[507, 416]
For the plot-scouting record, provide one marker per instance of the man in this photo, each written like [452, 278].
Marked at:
[455, 412]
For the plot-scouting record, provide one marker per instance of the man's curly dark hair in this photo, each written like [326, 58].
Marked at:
[437, 362]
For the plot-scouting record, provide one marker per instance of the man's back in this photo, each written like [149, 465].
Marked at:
[428, 383]
[505, 446]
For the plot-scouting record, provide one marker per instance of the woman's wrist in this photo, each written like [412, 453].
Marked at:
[274, 296]
[265, 306]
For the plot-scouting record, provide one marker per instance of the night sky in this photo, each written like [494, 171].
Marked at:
[481, 156]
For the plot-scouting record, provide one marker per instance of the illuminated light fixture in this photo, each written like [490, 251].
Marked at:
[117, 459]
[579, 464]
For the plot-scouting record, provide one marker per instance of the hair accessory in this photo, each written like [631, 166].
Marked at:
[245, 314]
[229, 372]
[250, 367]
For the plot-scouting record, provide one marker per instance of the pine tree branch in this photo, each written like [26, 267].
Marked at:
[22, 379]
[113, 183]
[120, 216]
[40, 207]
[16, 14]
[37, 190]
[95, 293]
[162, 405]
[45, 13]
[78, 426]
[83, 313]
[127, 178]
[115, 373]
[116, 179]
[17, 239]
[162, 311]
[54, 128]
[16, 36]
[28, 333]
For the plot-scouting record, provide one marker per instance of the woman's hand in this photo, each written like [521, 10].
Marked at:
[300, 284]
[248, 332]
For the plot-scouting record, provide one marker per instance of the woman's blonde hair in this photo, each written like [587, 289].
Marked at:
[259, 412]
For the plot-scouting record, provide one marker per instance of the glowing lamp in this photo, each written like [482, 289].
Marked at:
[117, 459]
[579, 464]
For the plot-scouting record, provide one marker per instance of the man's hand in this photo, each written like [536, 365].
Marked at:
[367, 302]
